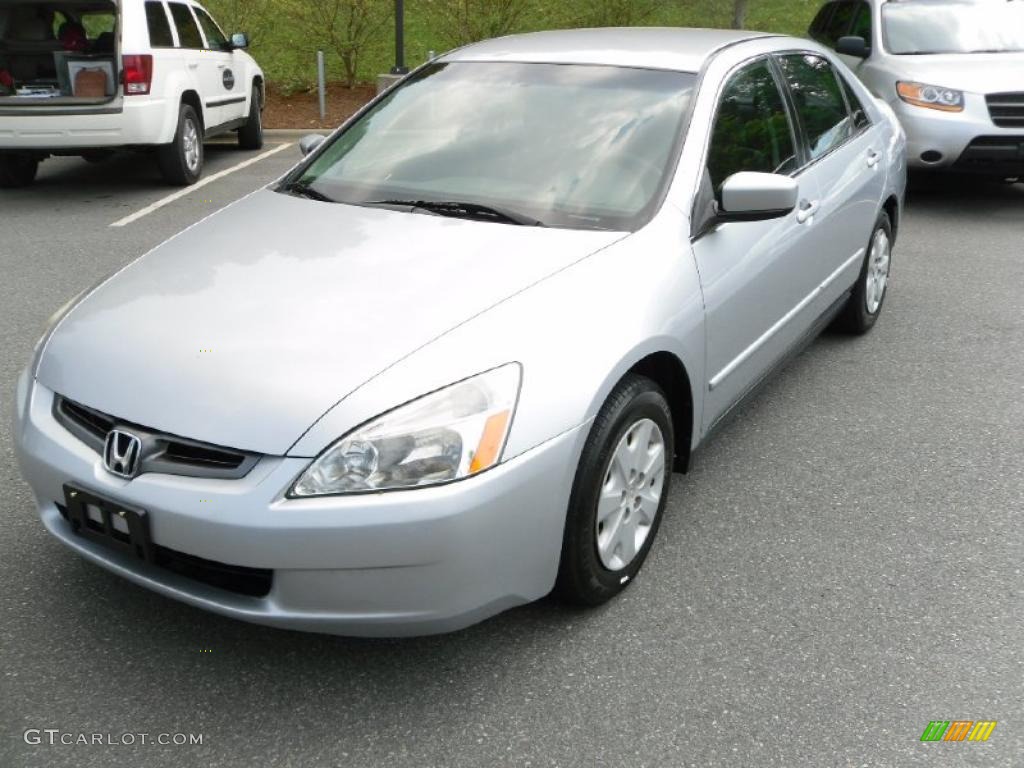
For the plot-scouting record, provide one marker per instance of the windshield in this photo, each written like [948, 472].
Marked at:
[994, 26]
[583, 147]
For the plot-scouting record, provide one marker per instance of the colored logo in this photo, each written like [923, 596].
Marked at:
[958, 730]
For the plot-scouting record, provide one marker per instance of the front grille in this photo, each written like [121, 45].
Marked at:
[1006, 109]
[239, 579]
[161, 452]
[997, 156]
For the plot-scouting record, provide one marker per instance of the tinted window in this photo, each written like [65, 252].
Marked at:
[214, 37]
[862, 23]
[819, 102]
[159, 28]
[859, 114]
[752, 130]
[839, 25]
[580, 147]
[820, 23]
[188, 32]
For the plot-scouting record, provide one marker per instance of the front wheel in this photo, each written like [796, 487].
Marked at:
[619, 493]
[17, 171]
[250, 135]
[181, 161]
[865, 304]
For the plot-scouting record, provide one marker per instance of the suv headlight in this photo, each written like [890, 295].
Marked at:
[447, 435]
[931, 96]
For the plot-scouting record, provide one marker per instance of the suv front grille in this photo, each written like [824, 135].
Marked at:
[161, 452]
[1006, 109]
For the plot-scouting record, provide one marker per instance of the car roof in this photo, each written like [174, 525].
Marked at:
[672, 48]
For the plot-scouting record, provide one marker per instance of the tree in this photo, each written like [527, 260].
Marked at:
[615, 13]
[739, 13]
[466, 21]
[347, 27]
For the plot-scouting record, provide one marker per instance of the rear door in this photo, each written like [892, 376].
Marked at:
[191, 49]
[845, 151]
[225, 80]
[751, 273]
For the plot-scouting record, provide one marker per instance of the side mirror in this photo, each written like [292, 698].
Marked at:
[308, 143]
[239, 40]
[757, 197]
[853, 46]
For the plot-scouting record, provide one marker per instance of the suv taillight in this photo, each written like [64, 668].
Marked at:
[138, 74]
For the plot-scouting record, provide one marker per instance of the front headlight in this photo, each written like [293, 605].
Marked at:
[931, 96]
[450, 434]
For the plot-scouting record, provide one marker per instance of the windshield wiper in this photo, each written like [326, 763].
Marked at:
[305, 190]
[463, 210]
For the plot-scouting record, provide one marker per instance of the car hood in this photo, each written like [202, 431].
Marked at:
[244, 329]
[974, 73]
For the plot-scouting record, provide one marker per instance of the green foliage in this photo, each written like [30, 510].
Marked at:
[285, 34]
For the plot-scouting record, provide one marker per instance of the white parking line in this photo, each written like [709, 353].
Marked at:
[189, 190]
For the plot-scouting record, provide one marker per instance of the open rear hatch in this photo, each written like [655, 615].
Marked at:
[58, 54]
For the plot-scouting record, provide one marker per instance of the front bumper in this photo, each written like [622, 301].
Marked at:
[397, 563]
[968, 141]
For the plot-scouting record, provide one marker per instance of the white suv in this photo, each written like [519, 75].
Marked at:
[84, 77]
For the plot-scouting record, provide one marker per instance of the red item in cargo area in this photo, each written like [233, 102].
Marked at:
[5, 79]
[91, 83]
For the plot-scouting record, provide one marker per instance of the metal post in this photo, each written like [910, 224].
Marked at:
[399, 68]
[321, 80]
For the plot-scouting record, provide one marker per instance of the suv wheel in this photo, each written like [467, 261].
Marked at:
[619, 495]
[17, 171]
[250, 135]
[181, 161]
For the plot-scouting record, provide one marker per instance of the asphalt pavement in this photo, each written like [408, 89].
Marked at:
[842, 566]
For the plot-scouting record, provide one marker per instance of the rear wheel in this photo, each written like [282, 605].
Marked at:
[181, 161]
[865, 303]
[619, 494]
[17, 171]
[250, 135]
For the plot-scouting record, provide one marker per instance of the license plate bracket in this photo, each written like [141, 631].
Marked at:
[108, 523]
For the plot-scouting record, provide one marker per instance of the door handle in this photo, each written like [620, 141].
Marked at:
[222, 66]
[193, 65]
[873, 158]
[807, 211]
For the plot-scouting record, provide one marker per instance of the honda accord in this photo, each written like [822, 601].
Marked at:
[452, 361]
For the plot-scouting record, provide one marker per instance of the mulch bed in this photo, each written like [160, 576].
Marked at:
[302, 109]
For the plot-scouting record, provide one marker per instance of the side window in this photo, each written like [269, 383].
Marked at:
[820, 23]
[862, 23]
[857, 111]
[819, 102]
[159, 28]
[188, 32]
[214, 37]
[752, 130]
[840, 23]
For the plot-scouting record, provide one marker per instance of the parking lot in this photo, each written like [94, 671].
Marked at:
[842, 565]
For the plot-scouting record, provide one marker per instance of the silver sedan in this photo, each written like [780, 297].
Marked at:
[453, 360]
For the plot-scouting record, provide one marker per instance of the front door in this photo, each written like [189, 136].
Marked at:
[225, 90]
[751, 272]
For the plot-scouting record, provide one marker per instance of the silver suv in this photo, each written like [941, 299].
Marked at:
[953, 70]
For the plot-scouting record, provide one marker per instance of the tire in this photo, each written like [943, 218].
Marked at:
[250, 135]
[181, 161]
[17, 171]
[865, 304]
[593, 569]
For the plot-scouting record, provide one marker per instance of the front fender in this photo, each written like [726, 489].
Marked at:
[576, 334]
